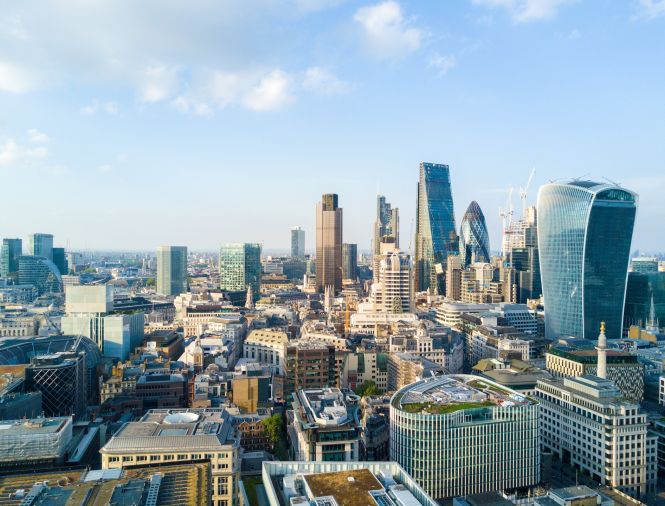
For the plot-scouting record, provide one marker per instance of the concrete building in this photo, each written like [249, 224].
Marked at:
[308, 365]
[405, 368]
[325, 426]
[18, 323]
[18, 294]
[459, 435]
[34, 442]
[440, 345]
[328, 243]
[268, 347]
[359, 367]
[449, 312]
[392, 289]
[171, 270]
[181, 437]
[588, 425]
[512, 373]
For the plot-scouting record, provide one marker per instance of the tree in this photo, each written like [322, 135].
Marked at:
[273, 428]
[150, 282]
[367, 388]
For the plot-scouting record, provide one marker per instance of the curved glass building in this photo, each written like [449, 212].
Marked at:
[474, 241]
[39, 272]
[436, 237]
[584, 235]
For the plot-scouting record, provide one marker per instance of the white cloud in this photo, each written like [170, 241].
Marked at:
[37, 137]
[272, 92]
[157, 83]
[321, 80]
[442, 63]
[650, 9]
[12, 153]
[106, 168]
[96, 106]
[524, 11]
[15, 79]
[386, 32]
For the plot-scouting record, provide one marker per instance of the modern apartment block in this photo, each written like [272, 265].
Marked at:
[459, 435]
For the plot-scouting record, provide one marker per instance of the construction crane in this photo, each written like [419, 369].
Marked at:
[523, 191]
[506, 218]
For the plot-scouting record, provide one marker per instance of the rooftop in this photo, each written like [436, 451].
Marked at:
[33, 426]
[442, 395]
[327, 406]
[349, 488]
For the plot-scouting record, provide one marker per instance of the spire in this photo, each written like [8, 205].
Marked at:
[652, 323]
[601, 370]
[249, 302]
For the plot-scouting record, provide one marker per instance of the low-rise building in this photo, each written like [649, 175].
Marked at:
[308, 365]
[405, 368]
[267, 347]
[325, 426]
[36, 442]
[511, 373]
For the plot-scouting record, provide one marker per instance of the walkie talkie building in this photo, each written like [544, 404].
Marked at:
[584, 235]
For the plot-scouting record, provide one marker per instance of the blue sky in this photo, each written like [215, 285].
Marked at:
[129, 124]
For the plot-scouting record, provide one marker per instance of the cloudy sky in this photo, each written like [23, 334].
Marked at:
[128, 124]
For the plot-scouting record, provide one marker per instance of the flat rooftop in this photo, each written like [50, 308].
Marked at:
[33, 426]
[349, 488]
[446, 394]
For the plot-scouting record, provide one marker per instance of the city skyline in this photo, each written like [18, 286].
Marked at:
[492, 92]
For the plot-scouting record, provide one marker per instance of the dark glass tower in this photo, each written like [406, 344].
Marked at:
[584, 235]
[435, 226]
[11, 250]
[474, 241]
[349, 260]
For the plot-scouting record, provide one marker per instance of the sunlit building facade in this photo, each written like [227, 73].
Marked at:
[171, 270]
[240, 267]
[584, 236]
[474, 240]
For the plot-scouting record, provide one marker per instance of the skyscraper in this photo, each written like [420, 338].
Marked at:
[60, 260]
[521, 254]
[40, 273]
[297, 243]
[474, 240]
[240, 267]
[171, 270]
[11, 250]
[41, 245]
[328, 243]
[584, 235]
[349, 260]
[435, 226]
[386, 224]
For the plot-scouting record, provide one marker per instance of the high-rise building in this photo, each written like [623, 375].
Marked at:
[60, 260]
[644, 265]
[645, 291]
[386, 224]
[297, 243]
[171, 270]
[41, 245]
[240, 267]
[474, 241]
[392, 289]
[435, 227]
[39, 272]
[328, 243]
[11, 250]
[584, 235]
[459, 435]
[349, 260]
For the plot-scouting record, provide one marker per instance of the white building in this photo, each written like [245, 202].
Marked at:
[267, 347]
[459, 435]
[448, 313]
[392, 289]
[443, 348]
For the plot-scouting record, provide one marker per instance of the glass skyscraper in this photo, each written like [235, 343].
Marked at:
[297, 243]
[386, 224]
[41, 245]
[240, 267]
[474, 240]
[329, 243]
[349, 260]
[39, 272]
[60, 260]
[11, 250]
[584, 235]
[171, 270]
[436, 237]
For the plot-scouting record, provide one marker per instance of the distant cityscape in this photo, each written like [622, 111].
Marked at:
[432, 368]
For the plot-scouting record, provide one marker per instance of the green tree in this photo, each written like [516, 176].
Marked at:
[150, 282]
[368, 387]
[273, 428]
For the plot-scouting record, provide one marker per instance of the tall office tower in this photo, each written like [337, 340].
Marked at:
[435, 226]
[240, 267]
[474, 241]
[11, 250]
[349, 261]
[392, 290]
[297, 243]
[526, 262]
[171, 270]
[328, 243]
[386, 224]
[584, 235]
[41, 245]
[60, 260]
[40, 273]
[454, 277]
[457, 435]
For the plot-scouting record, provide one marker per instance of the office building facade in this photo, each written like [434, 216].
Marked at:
[349, 261]
[11, 250]
[60, 260]
[386, 226]
[41, 245]
[328, 243]
[584, 236]
[39, 272]
[392, 290]
[171, 270]
[474, 241]
[436, 237]
[298, 243]
[240, 268]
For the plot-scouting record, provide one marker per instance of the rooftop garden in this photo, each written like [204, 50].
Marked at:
[433, 408]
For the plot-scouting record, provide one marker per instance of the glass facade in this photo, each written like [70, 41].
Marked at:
[40, 273]
[41, 245]
[239, 267]
[386, 224]
[436, 237]
[642, 288]
[349, 260]
[297, 243]
[584, 235]
[171, 270]
[60, 260]
[474, 240]
[11, 250]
